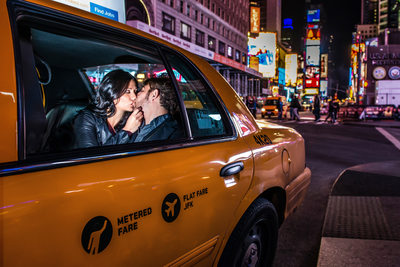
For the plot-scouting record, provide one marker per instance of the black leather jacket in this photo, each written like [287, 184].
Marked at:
[92, 130]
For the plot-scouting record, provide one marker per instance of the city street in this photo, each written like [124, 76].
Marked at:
[329, 150]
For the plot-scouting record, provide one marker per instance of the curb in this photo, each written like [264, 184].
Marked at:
[361, 220]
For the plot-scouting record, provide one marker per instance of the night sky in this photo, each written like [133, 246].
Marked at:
[341, 17]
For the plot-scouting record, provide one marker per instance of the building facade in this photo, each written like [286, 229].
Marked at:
[388, 14]
[369, 11]
[214, 29]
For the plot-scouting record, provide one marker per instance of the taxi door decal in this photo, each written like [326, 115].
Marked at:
[96, 235]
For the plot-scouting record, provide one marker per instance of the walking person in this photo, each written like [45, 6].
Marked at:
[336, 108]
[317, 108]
[331, 113]
[279, 107]
[295, 106]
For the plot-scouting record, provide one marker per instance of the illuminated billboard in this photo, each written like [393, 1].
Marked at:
[324, 65]
[254, 19]
[313, 15]
[313, 34]
[313, 42]
[312, 55]
[254, 63]
[264, 47]
[324, 88]
[312, 72]
[290, 69]
[287, 23]
[112, 9]
[312, 83]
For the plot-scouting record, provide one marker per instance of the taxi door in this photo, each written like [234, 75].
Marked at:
[163, 203]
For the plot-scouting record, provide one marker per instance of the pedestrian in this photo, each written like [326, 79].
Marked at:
[294, 107]
[336, 108]
[317, 108]
[251, 105]
[331, 114]
[279, 107]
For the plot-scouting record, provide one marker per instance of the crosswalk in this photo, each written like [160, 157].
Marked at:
[304, 122]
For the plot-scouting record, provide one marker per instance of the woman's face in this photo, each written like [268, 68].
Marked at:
[127, 101]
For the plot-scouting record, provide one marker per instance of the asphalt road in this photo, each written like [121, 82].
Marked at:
[329, 150]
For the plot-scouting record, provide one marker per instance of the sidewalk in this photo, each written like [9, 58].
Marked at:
[307, 115]
[362, 220]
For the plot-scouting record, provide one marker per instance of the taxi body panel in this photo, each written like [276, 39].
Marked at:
[8, 92]
[50, 207]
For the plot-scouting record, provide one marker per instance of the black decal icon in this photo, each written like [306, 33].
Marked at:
[171, 207]
[96, 235]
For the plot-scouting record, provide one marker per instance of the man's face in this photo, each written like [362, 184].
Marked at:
[142, 98]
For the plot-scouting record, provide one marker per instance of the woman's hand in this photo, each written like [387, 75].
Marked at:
[134, 120]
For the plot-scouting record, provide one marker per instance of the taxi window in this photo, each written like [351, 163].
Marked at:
[206, 116]
[71, 70]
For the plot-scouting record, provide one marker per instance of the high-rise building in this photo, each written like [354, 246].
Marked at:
[369, 12]
[389, 14]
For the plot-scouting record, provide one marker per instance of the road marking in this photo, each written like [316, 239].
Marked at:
[389, 137]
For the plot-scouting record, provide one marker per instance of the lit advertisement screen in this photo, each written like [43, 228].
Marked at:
[290, 69]
[313, 42]
[264, 47]
[112, 9]
[324, 88]
[312, 83]
[313, 15]
[312, 72]
[281, 76]
[312, 55]
[324, 65]
[254, 19]
[313, 34]
[287, 23]
[312, 26]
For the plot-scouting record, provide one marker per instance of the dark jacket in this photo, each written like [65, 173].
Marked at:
[295, 103]
[92, 130]
[164, 127]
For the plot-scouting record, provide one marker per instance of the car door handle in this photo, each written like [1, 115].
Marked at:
[231, 169]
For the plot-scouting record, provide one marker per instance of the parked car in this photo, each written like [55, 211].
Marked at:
[387, 112]
[354, 111]
[214, 196]
[396, 113]
[374, 112]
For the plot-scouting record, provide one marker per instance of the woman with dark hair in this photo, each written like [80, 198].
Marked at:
[111, 118]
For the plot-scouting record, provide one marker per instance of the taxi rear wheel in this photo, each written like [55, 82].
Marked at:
[254, 240]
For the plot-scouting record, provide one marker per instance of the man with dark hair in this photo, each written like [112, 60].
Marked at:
[158, 102]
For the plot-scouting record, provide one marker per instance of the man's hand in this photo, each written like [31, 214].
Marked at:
[134, 121]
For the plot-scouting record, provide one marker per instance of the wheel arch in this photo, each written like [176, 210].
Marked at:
[277, 196]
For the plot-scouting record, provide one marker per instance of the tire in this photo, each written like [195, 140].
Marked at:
[269, 116]
[263, 116]
[253, 241]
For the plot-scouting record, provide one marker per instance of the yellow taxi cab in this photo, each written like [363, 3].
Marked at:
[270, 108]
[213, 197]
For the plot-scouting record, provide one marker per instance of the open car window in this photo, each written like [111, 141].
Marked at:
[206, 115]
[65, 72]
